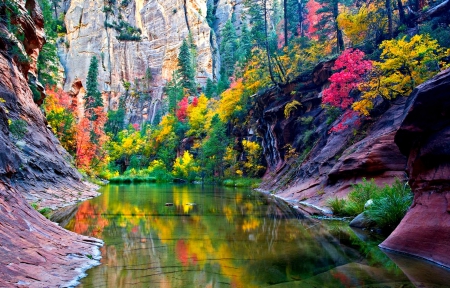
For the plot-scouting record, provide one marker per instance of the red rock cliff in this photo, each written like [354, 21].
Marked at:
[424, 137]
[34, 252]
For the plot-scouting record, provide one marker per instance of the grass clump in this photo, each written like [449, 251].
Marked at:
[358, 197]
[337, 206]
[242, 182]
[390, 205]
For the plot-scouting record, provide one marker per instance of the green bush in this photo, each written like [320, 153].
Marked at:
[358, 197]
[390, 205]
[18, 128]
[337, 206]
[242, 182]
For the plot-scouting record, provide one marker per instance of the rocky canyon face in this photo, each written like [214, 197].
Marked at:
[34, 168]
[164, 26]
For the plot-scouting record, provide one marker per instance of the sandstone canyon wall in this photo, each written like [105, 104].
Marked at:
[164, 25]
[406, 139]
[325, 164]
[33, 168]
[424, 137]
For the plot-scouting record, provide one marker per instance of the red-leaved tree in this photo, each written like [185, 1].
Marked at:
[182, 109]
[91, 138]
[352, 68]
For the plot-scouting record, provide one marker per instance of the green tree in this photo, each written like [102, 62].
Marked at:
[174, 92]
[245, 44]
[210, 89]
[214, 147]
[228, 48]
[116, 120]
[93, 97]
[185, 68]
[47, 64]
[328, 22]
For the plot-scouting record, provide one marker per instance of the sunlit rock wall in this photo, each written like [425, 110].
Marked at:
[164, 25]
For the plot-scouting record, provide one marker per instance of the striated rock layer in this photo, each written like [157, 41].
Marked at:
[34, 168]
[164, 25]
[424, 137]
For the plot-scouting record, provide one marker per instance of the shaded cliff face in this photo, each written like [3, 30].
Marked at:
[33, 168]
[424, 137]
[164, 25]
[325, 164]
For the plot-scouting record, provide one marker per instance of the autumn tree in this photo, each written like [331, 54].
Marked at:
[367, 24]
[351, 68]
[61, 117]
[403, 65]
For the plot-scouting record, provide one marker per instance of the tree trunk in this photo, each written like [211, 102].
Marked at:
[389, 15]
[286, 41]
[269, 62]
[401, 12]
[339, 36]
[300, 17]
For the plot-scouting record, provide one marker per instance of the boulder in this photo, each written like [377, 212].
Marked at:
[362, 221]
[424, 137]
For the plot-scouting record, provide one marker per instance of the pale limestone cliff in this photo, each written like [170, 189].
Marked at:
[164, 25]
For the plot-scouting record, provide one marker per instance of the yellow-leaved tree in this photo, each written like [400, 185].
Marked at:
[185, 167]
[253, 154]
[197, 117]
[404, 65]
[365, 24]
[230, 101]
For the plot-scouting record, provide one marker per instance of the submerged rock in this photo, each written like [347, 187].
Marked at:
[362, 221]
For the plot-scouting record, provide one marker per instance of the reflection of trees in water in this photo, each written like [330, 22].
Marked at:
[209, 237]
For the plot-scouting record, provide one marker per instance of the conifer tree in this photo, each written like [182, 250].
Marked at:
[185, 68]
[210, 89]
[228, 48]
[245, 44]
[213, 149]
[93, 97]
[174, 92]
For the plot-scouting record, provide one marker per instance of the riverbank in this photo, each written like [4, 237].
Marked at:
[36, 252]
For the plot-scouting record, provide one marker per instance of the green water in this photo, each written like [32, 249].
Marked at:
[223, 237]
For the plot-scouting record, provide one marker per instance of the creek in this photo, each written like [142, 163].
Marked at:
[209, 236]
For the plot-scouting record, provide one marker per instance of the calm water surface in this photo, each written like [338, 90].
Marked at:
[220, 237]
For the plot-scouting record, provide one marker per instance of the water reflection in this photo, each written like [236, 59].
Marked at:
[219, 237]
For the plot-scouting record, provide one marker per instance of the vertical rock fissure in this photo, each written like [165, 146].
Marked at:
[186, 15]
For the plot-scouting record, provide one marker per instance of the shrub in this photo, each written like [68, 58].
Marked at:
[242, 182]
[361, 193]
[337, 205]
[18, 128]
[390, 205]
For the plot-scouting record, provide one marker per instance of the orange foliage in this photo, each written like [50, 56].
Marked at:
[91, 138]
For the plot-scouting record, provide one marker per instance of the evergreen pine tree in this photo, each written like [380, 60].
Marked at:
[245, 44]
[93, 97]
[213, 149]
[185, 69]
[174, 92]
[210, 89]
[228, 48]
